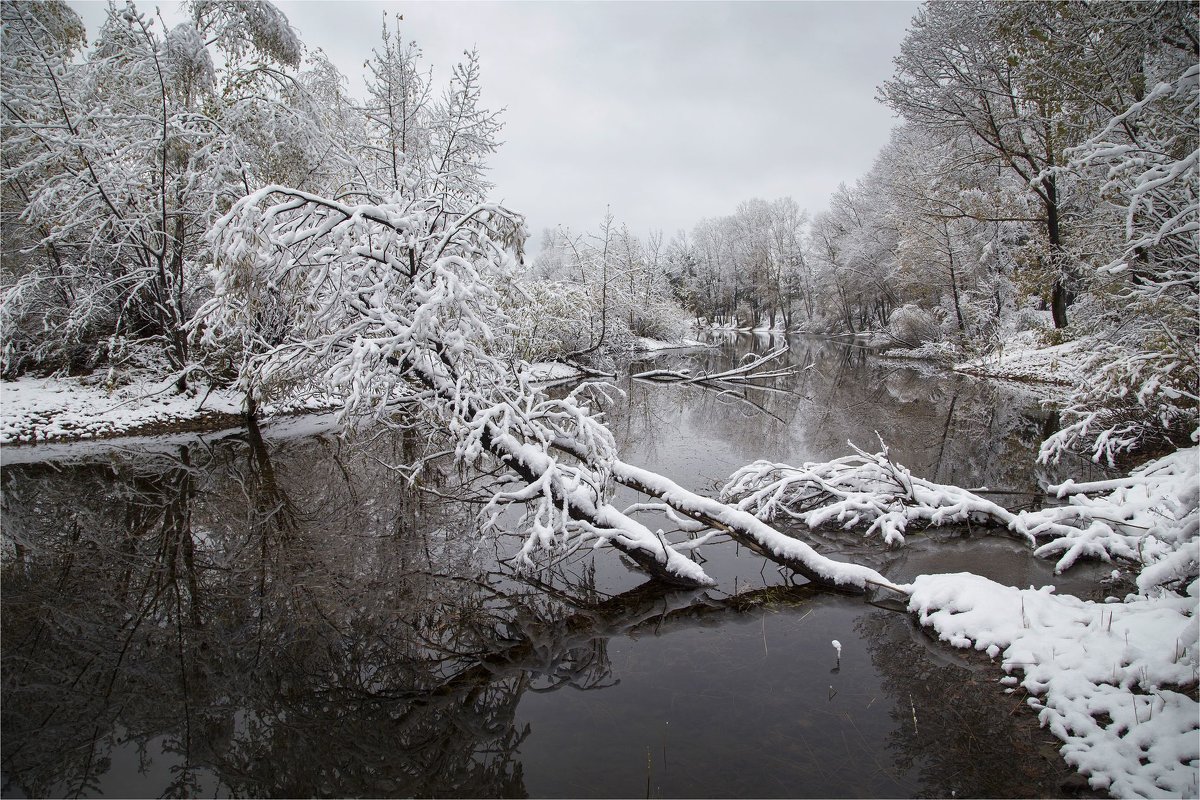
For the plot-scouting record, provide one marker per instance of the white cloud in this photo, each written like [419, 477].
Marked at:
[667, 112]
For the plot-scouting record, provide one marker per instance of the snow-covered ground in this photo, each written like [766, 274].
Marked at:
[1104, 677]
[71, 409]
[56, 409]
[643, 345]
[553, 372]
[1023, 358]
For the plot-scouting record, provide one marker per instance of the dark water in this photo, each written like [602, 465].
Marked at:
[287, 616]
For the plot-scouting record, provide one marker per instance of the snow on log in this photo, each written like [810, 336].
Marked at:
[742, 526]
[754, 367]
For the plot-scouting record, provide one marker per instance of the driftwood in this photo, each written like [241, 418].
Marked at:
[753, 367]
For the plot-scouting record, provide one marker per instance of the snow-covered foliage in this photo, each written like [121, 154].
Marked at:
[1110, 680]
[117, 164]
[396, 114]
[245, 27]
[912, 326]
[1144, 383]
[616, 289]
[1096, 194]
[391, 306]
[747, 269]
[1149, 519]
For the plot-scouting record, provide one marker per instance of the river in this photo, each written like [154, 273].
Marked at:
[231, 614]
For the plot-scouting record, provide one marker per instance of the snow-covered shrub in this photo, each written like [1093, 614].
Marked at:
[1145, 382]
[913, 326]
[547, 319]
[1029, 318]
[44, 334]
[1134, 398]
[659, 317]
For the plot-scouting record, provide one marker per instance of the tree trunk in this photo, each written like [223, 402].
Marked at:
[1060, 295]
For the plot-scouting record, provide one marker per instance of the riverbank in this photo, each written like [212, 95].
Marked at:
[1022, 358]
[38, 410]
[66, 409]
[80, 409]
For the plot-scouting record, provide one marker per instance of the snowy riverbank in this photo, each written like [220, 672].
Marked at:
[65, 409]
[1023, 358]
[1116, 680]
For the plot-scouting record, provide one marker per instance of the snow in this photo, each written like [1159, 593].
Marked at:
[552, 372]
[49, 409]
[1150, 517]
[1023, 358]
[798, 555]
[68, 409]
[643, 344]
[1099, 674]
[858, 489]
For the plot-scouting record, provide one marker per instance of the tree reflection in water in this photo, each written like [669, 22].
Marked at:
[270, 631]
[222, 620]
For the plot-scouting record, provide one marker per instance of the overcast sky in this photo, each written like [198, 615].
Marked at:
[668, 112]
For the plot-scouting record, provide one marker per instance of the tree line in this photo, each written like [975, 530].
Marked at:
[1043, 179]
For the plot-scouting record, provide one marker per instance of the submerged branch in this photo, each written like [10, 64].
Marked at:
[754, 367]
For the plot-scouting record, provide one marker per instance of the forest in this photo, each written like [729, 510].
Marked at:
[207, 207]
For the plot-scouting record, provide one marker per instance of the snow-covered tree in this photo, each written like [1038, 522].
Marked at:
[1146, 375]
[122, 159]
[962, 70]
[464, 134]
[428, 342]
[397, 112]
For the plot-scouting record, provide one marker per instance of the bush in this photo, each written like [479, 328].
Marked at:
[912, 326]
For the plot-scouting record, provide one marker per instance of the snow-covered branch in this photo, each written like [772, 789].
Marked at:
[1150, 518]
[861, 489]
[753, 367]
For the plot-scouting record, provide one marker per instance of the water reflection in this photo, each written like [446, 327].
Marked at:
[946, 427]
[263, 624]
[289, 617]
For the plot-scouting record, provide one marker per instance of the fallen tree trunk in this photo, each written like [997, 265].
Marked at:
[384, 306]
[743, 527]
